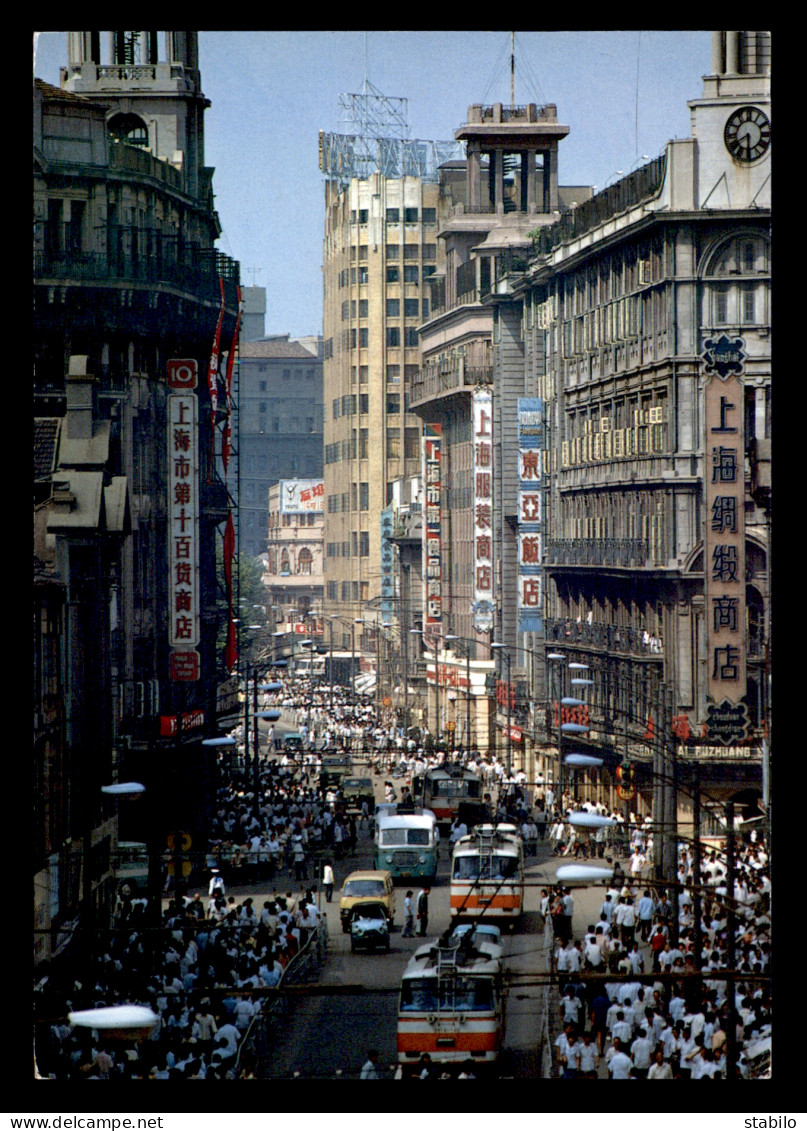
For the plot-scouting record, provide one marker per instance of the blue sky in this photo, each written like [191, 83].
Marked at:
[622, 93]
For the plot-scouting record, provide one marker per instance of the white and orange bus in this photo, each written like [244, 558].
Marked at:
[450, 791]
[487, 876]
[452, 1003]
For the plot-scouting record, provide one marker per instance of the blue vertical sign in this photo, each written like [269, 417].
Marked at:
[531, 471]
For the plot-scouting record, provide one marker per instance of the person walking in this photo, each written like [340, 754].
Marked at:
[327, 880]
[409, 917]
[423, 911]
[369, 1070]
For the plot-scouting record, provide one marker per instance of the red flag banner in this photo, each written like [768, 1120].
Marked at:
[227, 434]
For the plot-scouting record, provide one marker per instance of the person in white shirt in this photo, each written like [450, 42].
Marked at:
[588, 1057]
[641, 1051]
[660, 1069]
[619, 1063]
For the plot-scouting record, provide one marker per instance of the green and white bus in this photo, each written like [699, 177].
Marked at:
[406, 844]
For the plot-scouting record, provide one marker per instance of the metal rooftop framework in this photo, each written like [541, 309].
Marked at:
[376, 140]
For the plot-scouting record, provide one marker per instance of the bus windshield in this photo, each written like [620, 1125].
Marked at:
[485, 867]
[460, 994]
[390, 838]
[453, 787]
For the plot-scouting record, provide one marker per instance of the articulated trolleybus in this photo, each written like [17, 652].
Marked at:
[487, 876]
[452, 1003]
[449, 790]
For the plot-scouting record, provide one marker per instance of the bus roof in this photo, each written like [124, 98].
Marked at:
[422, 820]
[424, 963]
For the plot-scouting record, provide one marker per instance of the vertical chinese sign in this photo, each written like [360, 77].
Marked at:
[432, 535]
[387, 574]
[483, 510]
[183, 520]
[531, 445]
[724, 540]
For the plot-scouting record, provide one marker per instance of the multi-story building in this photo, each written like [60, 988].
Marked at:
[293, 575]
[491, 205]
[381, 221]
[642, 327]
[279, 433]
[129, 291]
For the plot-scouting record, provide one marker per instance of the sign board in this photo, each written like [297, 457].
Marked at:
[531, 451]
[183, 519]
[302, 496]
[483, 510]
[432, 534]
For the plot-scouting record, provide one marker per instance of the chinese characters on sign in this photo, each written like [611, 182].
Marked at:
[387, 576]
[302, 496]
[531, 445]
[432, 533]
[183, 524]
[483, 511]
[724, 540]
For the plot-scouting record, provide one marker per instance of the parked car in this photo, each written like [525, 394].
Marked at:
[369, 927]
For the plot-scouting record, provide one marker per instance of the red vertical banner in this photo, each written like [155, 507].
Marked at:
[432, 534]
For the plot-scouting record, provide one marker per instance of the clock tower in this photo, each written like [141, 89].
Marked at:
[732, 123]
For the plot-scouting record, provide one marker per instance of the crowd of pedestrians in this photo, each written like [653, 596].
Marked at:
[666, 1011]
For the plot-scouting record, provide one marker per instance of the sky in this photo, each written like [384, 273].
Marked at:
[622, 93]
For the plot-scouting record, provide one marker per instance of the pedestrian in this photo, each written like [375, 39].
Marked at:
[369, 1070]
[409, 917]
[216, 885]
[619, 1063]
[423, 911]
[327, 880]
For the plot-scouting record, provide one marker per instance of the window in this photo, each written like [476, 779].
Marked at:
[411, 336]
[364, 403]
[393, 275]
[410, 215]
[364, 375]
[393, 336]
[748, 304]
[393, 403]
[364, 544]
[363, 275]
[393, 307]
[721, 305]
[393, 374]
[411, 443]
[362, 251]
[364, 306]
[393, 443]
[393, 215]
[362, 216]
[429, 215]
[364, 337]
[393, 251]
[411, 272]
[411, 308]
[430, 251]
[364, 496]
[410, 251]
[364, 442]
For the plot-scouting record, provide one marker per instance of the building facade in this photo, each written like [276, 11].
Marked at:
[293, 575]
[280, 427]
[130, 296]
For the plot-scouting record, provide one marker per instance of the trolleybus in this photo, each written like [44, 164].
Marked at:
[452, 1003]
[450, 791]
[487, 875]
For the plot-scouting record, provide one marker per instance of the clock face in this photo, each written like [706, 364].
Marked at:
[747, 134]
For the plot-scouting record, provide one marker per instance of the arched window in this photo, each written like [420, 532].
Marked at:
[305, 560]
[129, 128]
[737, 291]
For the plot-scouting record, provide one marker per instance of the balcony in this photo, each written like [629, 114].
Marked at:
[624, 553]
[474, 366]
[195, 270]
[621, 639]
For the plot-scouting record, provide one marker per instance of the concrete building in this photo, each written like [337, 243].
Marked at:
[128, 291]
[279, 432]
[491, 205]
[642, 329]
[294, 575]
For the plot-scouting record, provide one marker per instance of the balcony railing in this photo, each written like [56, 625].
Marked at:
[624, 552]
[197, 270]
[609, 637]
[466, 370]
